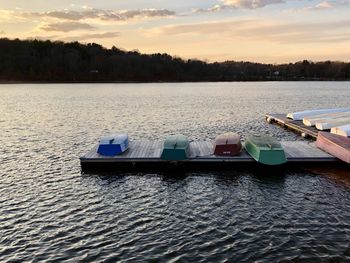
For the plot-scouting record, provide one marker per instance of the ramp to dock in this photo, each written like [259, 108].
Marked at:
[145, 152]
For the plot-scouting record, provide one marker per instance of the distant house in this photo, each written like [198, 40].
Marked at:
[276, 73]
[94, 71]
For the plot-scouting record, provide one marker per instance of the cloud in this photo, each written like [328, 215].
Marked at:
[66, 26]
[214, 8]
[263, 30]
[2, 32]
[91, 36]
[328, 4]
[100, 14]
[204, 28]
[250, 4]
[83, 19]
[97, 17]
[324, 5]
[66, 15]
[7, 15]
[238, 4]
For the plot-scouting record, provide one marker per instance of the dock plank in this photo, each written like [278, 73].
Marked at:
[159, 148]
[194, 151]
[304, 151]
[151, 148]
[142, 149]
[135, 148]
[198, 152]
[145, 147]
[206, 151]
[293, 150]
[210, 146]
[203, 149]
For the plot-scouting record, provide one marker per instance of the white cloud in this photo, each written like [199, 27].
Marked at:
[329, 4]
[324, 5]
[214, 8]
[250, 4]
[238, 4]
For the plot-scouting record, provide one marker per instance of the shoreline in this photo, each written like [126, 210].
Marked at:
[155, 82]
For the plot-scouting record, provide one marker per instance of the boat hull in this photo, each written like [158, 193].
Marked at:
[175, 148]
[113, 145]
[336, 145]
[342, 130]
[311, 121]
[332, 123]
[227, 144]
[265, 150]
[298, 116]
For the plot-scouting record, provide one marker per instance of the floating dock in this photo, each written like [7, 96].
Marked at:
[146, 154]
[296, 126]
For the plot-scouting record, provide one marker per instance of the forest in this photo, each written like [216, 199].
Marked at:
[56, 61]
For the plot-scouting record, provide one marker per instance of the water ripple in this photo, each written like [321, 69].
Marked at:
[50, 212]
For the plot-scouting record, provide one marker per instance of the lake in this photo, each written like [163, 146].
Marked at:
[50, 211]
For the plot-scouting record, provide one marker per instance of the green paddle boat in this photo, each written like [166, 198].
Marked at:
[176, 148]
[265, 149]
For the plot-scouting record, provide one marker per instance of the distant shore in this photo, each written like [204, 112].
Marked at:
[155, 82]
[36, 61]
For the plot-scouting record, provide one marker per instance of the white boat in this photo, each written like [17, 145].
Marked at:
[311, 121]
[332, 123]
[114, 144]
[343, 130]
[298, 116]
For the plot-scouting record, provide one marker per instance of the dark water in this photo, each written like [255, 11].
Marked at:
[50, 211]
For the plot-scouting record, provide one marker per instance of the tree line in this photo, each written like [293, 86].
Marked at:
[56, 61]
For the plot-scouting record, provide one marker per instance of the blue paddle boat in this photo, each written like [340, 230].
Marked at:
[112, 145]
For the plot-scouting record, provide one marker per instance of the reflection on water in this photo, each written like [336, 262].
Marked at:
[49, 211]
[337, 174]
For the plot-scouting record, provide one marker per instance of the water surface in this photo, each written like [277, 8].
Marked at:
[50, 211]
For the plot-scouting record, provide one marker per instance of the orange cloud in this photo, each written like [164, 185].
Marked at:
[66, 26]
[88, 13]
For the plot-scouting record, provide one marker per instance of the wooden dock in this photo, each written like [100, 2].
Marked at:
[146, 154]
[296, 126]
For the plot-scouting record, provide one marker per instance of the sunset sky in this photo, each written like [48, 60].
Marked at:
[274, 31]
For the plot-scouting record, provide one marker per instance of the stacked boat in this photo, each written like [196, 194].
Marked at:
[343, 130]
[337, 121]
[325, 119]
[300, 115]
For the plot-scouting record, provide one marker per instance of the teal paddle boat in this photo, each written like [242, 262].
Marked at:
[176, 148]
[265, 149]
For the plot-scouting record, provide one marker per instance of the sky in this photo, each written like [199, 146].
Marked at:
[269, 31]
